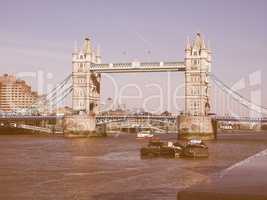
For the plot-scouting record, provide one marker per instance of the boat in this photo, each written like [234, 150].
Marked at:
[153, 149]
[195, 149]
[178, 149]
[144, 134]
[157, 148]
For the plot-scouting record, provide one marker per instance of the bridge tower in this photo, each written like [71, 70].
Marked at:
[86, 84]
[198, 67]
[86, 91]
[195, 122]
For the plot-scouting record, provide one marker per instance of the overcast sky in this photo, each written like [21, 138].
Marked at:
[40, 35]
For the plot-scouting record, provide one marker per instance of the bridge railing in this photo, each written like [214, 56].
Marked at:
[248, 119]
[145, 66]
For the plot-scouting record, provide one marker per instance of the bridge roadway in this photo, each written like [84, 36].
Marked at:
[240, 119]
[158, 117]
[100, 119]
[13, 118]
[5, 118]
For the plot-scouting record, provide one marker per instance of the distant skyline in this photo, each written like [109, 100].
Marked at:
[40, 35]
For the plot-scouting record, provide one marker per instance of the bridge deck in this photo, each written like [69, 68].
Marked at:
[29, 118]
[138, 67]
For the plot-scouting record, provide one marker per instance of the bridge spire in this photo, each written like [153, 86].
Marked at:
[188, 45]
[199, 42]
[87, 46]
[75, 47]
[98, 54]
[209, 47]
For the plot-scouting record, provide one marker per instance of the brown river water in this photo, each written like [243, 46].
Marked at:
[50, 167]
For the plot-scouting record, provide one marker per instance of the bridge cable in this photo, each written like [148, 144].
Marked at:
[240, 97]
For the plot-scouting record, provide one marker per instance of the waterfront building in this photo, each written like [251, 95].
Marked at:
[15, 94]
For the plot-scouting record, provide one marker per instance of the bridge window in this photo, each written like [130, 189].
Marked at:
[196, 62]
[91, 106]
[195, 78]
[81, 93]
[80, 67]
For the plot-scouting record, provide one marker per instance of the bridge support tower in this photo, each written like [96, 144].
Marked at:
[86, 93]
[195, 123]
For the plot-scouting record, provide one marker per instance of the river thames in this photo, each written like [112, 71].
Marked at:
[50, 167]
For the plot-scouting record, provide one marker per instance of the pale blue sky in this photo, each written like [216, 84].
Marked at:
[39, 35]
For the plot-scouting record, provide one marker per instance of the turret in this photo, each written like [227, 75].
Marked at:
[188, 52]
[75, 51]
[93, 56]
[188, 48]
[87, 47]
[199, 42]
[98, 56]
[209, 52]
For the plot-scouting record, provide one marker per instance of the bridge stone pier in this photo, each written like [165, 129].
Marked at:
[86, 77]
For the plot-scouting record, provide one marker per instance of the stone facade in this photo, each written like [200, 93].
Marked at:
[197, 84]
[82, 125]
[86, 92]
[86, 84]
[196, 127]
[195, 123]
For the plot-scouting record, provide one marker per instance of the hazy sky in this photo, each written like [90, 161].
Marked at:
[39, 35]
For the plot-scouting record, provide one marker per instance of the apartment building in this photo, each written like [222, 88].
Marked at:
[15, 94]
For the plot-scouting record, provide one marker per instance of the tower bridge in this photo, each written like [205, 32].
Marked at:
[85, 80]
